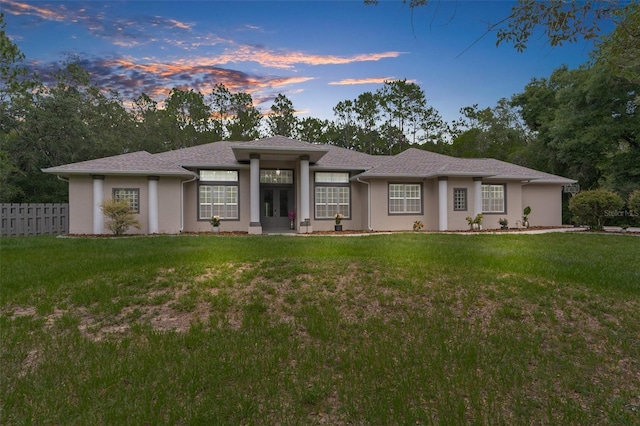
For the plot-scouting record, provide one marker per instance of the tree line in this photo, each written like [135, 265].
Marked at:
[580, 123]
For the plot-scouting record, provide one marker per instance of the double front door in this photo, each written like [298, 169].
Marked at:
[275, 204]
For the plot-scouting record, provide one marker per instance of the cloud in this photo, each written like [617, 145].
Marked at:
[156, 79]
[284, 59]
[122, 32]
[354, 81]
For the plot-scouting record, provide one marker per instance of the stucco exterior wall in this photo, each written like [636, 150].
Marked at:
[381, 220]
[545, 202]
[142, 184]
[80, 205]
[457, 220]
[169, 205]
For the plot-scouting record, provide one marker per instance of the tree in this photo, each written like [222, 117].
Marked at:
[561, 21]
[496, 132]
[346, 123]
[220, 104]
[587, 127]
[245, 122]
[619, 52]
[404, 104]
[591, 208]
[312, 130]
[190, 116]
[120, 216]
[367, 111]
[282, 121]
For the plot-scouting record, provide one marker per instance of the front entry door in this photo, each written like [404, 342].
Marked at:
[275, 204]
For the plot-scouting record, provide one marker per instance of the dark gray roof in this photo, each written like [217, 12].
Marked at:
[412, 163]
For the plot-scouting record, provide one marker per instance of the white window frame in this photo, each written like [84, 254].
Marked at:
[402, 198]
[332, 195]
[494, 198]
[219, 198]
[131, 195]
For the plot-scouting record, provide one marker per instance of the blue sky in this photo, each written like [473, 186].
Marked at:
[317, 53]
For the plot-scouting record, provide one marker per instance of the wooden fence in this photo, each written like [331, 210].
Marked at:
[34, 219]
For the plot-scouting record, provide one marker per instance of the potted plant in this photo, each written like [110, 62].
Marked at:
[525, 216]
[504, 223]
[215, 222]
[338, 217]
[292, 218]
[478, 221]
[470, 222]
[418, 225]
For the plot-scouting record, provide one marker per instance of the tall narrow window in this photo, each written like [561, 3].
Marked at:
[332, 195]
[218, 194]
[459, 199]
[493, 199]
[405, 198]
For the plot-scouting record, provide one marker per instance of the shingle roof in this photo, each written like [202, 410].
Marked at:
[424, 164]
[410, 163]
[135, 163]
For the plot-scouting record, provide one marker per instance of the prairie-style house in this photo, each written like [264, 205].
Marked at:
[281, 184]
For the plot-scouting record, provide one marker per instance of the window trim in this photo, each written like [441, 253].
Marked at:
[317, 185]
[222, 183]
[466, 200]
[504, 198]
[137, 200]
[405, 212]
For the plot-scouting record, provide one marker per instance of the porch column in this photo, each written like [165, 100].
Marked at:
[153, 204]
[98, 195]
[442, 203]
[254, 226]
[304, 191]
[477, 196]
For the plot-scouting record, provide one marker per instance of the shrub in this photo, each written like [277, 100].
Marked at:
[122, 218]
[634, 206]
[591, 208]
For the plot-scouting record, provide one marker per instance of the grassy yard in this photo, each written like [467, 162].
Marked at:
[384, 329]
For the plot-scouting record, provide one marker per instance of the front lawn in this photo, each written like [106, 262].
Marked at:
[409, 328]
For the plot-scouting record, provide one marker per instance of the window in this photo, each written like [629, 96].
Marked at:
[405, 198]
[131, 195]
[493, 197]
[276, 176]
[332, 195]
[459, 199]
[218, 194]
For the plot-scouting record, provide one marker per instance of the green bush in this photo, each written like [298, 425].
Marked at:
[591, 208]
[634, 207]
[122, 218]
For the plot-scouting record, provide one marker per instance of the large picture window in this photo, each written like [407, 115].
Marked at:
[332, 195]
[218, 194]
[130, 195]
[493, 199]
[405, 198]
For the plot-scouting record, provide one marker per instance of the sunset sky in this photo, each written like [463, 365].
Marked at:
[317, 53]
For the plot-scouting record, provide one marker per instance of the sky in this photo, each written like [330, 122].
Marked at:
[316, 53]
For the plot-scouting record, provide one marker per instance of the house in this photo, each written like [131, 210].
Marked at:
[257, 186]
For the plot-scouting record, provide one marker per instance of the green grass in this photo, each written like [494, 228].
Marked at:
[385, 329]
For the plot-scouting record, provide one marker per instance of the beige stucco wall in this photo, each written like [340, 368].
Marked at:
[381, 220]
[80, 205]
[81, 202]
[457, 220]
[545, 202]
[169, 205]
